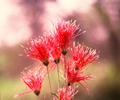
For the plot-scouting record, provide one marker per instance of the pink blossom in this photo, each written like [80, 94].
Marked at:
[54, 49]
[75, 76]
[38, 49]
[33, 78]
[65, 93]
[83, 55]
[64, 33]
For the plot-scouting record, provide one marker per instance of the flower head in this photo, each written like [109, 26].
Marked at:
[75, 76]
[38, 49]
[54, 49]
[64, 33]
[83, 55]
[66, 93]
[33, 78]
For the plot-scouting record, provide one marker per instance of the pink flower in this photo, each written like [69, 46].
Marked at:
[75, 76]
[83, 55]
[56, 53]
[38, 50]
[54, 49]
[33, 78]
[66, 93]
[64, 34]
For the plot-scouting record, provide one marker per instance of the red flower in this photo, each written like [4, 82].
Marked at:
[83, 55]
[65, 93]
[54, 49]
[38, 49]
[33, 79]
[56, 53]
[74, 75]
[64, 33]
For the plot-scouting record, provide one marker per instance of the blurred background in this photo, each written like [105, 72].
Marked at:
[21, 20]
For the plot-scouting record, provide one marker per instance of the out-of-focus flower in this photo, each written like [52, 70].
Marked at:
[75, 76]
[33, 78]
[65, 93]
[38, 49]
[64, 33]
[14, 27]
[83, 55]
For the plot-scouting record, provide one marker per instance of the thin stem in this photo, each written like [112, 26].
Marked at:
[49, 81]
[65, 61]
[65, 74]
[58, 76]
[38, 98]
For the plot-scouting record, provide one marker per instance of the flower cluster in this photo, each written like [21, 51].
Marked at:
[56, 48]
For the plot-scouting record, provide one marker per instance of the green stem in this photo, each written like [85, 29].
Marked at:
[37, 98]
[49, 81]
[65, 74]
[58, 76]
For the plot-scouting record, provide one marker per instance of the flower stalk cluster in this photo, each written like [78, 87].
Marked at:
[53, 50]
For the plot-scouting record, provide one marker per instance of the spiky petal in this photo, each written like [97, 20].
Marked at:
[83, 55]
[65, 93]
[33, 78]
[38, 49]
[75, 76]
[64, 33]
[54, 49]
